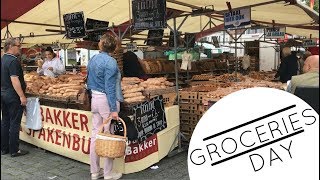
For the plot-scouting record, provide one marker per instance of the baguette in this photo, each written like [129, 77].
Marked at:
[133, 90]
[129, 95]
[134, 99]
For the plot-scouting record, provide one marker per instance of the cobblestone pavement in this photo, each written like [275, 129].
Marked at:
[41, 164]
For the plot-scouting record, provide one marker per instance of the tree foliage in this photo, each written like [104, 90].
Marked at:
[315, 6]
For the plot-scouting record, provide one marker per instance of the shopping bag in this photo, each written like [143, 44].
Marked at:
[34, 119]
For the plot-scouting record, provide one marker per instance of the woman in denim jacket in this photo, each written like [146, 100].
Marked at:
[104, 81]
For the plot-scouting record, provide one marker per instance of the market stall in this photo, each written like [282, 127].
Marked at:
[65, 108]
[67, 121]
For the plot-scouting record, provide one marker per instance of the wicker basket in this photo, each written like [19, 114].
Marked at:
[109, 145]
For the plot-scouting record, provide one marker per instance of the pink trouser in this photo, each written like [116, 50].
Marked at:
[100, 112]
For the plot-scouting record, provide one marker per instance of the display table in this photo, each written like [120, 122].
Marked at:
[67, 132]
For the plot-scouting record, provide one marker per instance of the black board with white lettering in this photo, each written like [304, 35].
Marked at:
[155, 37]
[149, 117]
[74, 25]
[149, 14]
[95, 24]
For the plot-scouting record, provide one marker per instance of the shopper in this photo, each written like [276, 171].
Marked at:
[13, 99]
[52, 65]
[104, 81]
[288, 66]
[310, 76]
[132, 66]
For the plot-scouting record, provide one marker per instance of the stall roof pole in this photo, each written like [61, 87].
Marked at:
[184, 19]
[175, 58]
[179, 135]
[31, 23]
[59, 15]
[235, 54]
[40, 35]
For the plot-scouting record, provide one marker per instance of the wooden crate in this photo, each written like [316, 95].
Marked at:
[202, 95]
[187, 136]
[186, 128]
[188, 106]
[169, 99]
[187, 95]
[192, 101]
[191, 119]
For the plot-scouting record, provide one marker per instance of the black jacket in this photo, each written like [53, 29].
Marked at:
[288, 68]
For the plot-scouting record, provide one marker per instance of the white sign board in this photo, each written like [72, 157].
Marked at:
[275, 32]
[132, 47]
[237, 18]
[310, 43]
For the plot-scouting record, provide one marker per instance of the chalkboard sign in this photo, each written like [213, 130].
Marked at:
[149, 14]
[95, 24]
[155, 37]
[149, 117]
[171, 39]
[74, 25]
[190, 39]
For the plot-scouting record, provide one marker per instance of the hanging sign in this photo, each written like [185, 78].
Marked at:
[149, 117]
[132, 47]
[95, 24]
[149, 14]
[310, 42]
[74, 25]
[237, 18]
[275, 32]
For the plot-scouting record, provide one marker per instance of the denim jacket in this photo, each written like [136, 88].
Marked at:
[104, 76]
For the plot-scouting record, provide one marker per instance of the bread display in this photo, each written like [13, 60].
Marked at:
[64, 86]
[131, 90]
[135, 90]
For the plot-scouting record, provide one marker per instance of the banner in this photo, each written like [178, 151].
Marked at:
[68, 132]
[275, 32]
[238, 18]
[136, 151]
[65, 131]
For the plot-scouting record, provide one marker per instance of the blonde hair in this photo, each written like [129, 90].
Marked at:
[108, 43]
[286, 51]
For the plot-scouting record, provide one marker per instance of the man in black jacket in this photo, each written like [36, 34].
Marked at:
[288, 66]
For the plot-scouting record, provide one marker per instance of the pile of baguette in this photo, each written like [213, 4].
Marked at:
[64, 86]
[131, 90]
[156, 83]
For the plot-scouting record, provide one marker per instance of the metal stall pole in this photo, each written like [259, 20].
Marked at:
[235, 53]
[175, 58]
[179, 135]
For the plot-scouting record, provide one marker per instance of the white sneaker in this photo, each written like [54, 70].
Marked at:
[113, 175]
[97, 175]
